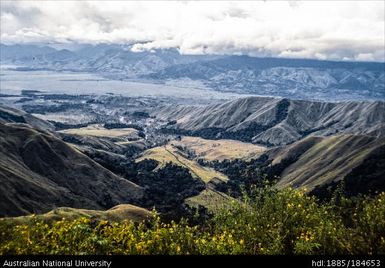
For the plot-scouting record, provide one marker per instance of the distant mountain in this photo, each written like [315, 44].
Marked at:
[114, 61]
[39, 172]
[317, 163]
[13, 53]
[294, 78]
[275, 121]
[291, 78]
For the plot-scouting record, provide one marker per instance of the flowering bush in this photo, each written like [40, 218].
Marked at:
[268, 221]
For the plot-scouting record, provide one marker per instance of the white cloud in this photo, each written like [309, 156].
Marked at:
[323, 30]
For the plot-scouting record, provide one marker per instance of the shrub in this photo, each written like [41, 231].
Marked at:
[264, 221]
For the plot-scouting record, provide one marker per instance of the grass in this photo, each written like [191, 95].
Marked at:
[210, 199]
[117, 213]
[211, 150]
[331, 158]
[99, 131]
[168, 153]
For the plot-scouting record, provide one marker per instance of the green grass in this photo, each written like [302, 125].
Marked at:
[210, 199]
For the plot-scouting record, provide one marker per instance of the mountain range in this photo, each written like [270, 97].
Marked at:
[294, 78]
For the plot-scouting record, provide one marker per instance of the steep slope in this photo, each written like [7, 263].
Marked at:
[321, 161]
[273, 121]
[11, 115]
[39, 172]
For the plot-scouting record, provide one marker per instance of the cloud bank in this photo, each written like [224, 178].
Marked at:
[340, 30]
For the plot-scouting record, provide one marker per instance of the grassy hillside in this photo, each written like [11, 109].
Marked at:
[39, 172]
[100, 131]
[118, 213]
[220, 150]
[11, 115]
[168, 153]
[211, 199]
[317, 161]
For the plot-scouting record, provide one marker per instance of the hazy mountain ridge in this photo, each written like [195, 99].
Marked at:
[306, 79]
[273, 121]
[294, 78]
[115, 61]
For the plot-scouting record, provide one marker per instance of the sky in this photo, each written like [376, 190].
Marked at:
[327, 30]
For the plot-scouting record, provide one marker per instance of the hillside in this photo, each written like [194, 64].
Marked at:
[322, 161]
[211, 150]
[211, 199]
[273, 121]
[40, 172]
[169, 153]
[120, 134]
[11, 115]
[118, 213]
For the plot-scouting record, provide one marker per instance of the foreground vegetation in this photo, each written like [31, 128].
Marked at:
[267, 221]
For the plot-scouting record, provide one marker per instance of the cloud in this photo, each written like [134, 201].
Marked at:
[340, 30]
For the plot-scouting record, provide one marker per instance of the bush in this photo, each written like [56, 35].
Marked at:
[284, 222]
[267, 221]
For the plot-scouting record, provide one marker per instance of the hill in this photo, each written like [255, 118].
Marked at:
[274, 121]
[321, 162]
[210, 150]
[118, 213]
[12, 115]
[169, 153]
[40, 172]
[119, 134]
